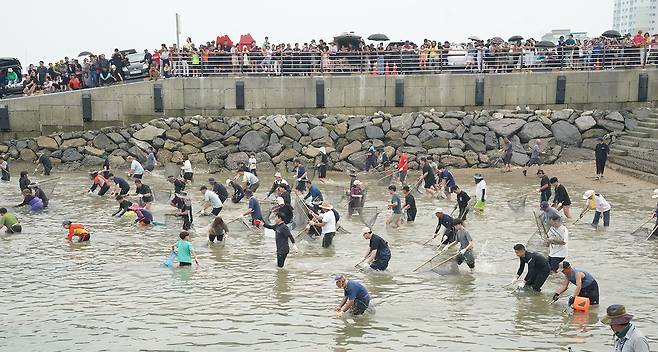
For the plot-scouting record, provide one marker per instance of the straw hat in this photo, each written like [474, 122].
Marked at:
[438, 210]
[616, 315]
[357, 182]
[325, 205]
[588, 194]
[277, 174]
[655, 194]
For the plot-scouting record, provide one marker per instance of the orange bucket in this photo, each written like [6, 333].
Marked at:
[580, 304]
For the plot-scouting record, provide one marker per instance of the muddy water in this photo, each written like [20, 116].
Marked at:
[111, 294]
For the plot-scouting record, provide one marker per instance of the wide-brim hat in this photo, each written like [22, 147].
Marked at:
[655, 194]
[277, 174]
[478, 176]
[438, 210]
[326, 205]
[588, 194]
[616, 315]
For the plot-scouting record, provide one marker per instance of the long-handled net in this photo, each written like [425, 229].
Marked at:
[517, 203]
[369, 215]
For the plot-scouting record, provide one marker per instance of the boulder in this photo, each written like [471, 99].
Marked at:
[27, 155]
[116, 161]
[148, 133]
[189, 149]
[471, 157]
[172, 145]
[610, 125]
[137, 153]
[519, 158]
[460, 130]
[163, 156]
[212, 147]
[413, 141]
[303, 128]
[455, 114]
[74, 143]
[402, 123]
[341, 128]
[177, 157]
[197, 158]
[585, 122]
[217, 126]
[285, 155]
[311, 151]
[274, 127]
[274, 149]
[630, 123]
[48, 143]
[533, 130]
[3, 148]
[209, 136]
[291, 132]
[91, 160]
[357, 160]
[615, 116]
[254, 141]
[191, 139]
[455, 161]
[456, 143]
[89, 135]
[70, 155]
[356, 135]
[474, 142]
[594, 133]
[374, 132]
[141, 144]
[104, 142]
[318, 132]
[566, 133]
[506, 126]
[116, 137]
[233, 159]
[349, 150]
[89, 150]
[436, 142]
[490, 140]
[561, 115]
[449, 124]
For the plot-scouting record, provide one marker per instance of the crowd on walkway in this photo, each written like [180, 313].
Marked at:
[343, 55]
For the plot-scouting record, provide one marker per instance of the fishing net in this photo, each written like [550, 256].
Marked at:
[386, 179]
[238, 225]
[368, 215]
[173, 220]
[300, 214]
[517, 203]
[535, 243]
[162, 196]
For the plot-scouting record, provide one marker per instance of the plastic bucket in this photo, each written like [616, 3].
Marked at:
[580, 304]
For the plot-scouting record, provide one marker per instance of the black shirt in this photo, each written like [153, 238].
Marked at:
[220, 190]
[124, 206]
[122, 183]
[601, 151]
[24, 182]
[561, 196]
[535, 261]
[286, 197]
[378, 243]
[179, 185]
[39, 193]
[286, 212]
[282, 234]
[410, 201]
[45, 161]
[462, 199]
[545, 181]
[429, 178]
[144, 189]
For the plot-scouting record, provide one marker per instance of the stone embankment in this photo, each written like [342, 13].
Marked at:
[458, 138]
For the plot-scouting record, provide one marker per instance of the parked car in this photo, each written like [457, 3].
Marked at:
[5, 64]
[136, 67]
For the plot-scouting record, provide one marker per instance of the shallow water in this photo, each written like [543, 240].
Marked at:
[111, 293]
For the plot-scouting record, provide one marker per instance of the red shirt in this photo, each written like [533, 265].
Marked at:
[74, 83]
[156, 58]
[403, 164]
[77, 230]
[638, 40]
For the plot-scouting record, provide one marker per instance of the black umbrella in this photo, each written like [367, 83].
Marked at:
[611, 34]
[84, 53]
[545, 44]
[347, 38]
[497, 40]
[515, 38]
[474, 38]
[378, 37]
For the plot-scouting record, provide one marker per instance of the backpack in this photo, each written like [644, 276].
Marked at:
[336, 215]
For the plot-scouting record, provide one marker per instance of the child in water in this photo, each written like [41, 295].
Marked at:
[78, 230]
[184, 250]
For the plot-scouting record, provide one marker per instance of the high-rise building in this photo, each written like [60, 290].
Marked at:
[554, 35]
[630, 16]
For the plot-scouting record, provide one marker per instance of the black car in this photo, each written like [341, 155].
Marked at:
[136, 66]
[5, 64]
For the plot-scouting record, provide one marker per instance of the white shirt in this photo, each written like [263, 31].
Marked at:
[560, 233]
[479, 188]
[213, 199]
[249, 178]
[136, 168]
[601, 204]
[252, 163]
[634, 341]
[187, 166]
[329, 221]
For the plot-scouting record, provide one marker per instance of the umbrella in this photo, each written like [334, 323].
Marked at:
[378, 37]
[474, 38]
[515, 38]
[545, 44]
[246, 40]
[346, 39]
[224, 39]
[611, 34]
[84, 53]
[497, 40]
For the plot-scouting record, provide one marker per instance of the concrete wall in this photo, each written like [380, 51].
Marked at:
[133, 102]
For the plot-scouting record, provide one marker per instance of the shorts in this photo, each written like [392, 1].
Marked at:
[554, 263]
[301, 186]
[322, 171]
[411, 215]
[467, 258]
[327, 239]
[187, 176]
[359, 307]
[402, 175]
[219, 238]
[16, 228]
[591, 292]
[84, 238]
[429, 183]
[479, 205]
[215, 211]
[184, 264]
[139, 176]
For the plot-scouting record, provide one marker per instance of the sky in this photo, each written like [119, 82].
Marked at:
[60, 30]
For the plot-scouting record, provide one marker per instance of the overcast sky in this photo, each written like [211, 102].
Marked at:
[63, 29]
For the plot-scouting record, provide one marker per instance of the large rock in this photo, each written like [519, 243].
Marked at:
[474, 142]
[402, 123]
[455, 161]
[70, 155]
[137, 153]
[163, 156]
[89, 150]
[374, 132]
[197, 158]
[92, 160]
[285, 155]
[141, 144]
[519, 158]
[211, 136]
[565, 133]
[610, 125]
[189, 149]
[27, 155]
[584, 123]
[561, 115]
[594, 133]
[358, 161]
[48, 143]
[274, 127]
[233, 159]
[506, 126]
[615, 116]
[356, 135]
[254, 141]
[413, 141]
[116, 137]
[449, 124]
[291, 132]
[217, 126]
[436, 142]
[533, 130]
[74, 143]
[148, 133]
[274, 149]
[318, 132]
[191, 139]
[455, 114]
[349, 150]
[471, 157]
[212, 147]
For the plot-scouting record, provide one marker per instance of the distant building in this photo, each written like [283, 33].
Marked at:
[555, 34]
[630, 16]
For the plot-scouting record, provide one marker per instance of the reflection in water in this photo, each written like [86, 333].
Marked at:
[112, 291]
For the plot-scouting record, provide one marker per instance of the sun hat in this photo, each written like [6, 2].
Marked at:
[616, 315]
[588, 194]
[438, 210]
[655, 194]
[357, 182]
[540, 171]
[326, 205]
[277, 174]
[478, 176]
[338, 277]
[211, 180]
[280, 201]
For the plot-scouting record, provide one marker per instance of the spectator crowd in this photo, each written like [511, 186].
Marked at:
[347, 54]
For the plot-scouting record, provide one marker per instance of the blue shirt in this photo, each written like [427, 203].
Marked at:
[255, 209]
[136, 168]
[397, 209]
[123, 184]
[314, 193]
[447, 175]
[587, 280]
[447, 222]
[356, 291]
[301, 170]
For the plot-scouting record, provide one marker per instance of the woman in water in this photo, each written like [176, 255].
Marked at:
[24, 181]
[218, 229]
[35, 203]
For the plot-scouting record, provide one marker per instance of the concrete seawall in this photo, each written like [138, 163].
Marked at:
[360, 95]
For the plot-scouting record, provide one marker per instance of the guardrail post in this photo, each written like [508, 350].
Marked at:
[4, 118]
[239, 95]
[86, 107]
[561, 90]
[158, 105]
[319, 93]
[479, 91]
[643, 87]
[399, 92]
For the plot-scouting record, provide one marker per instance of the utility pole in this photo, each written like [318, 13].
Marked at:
[178, 31]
